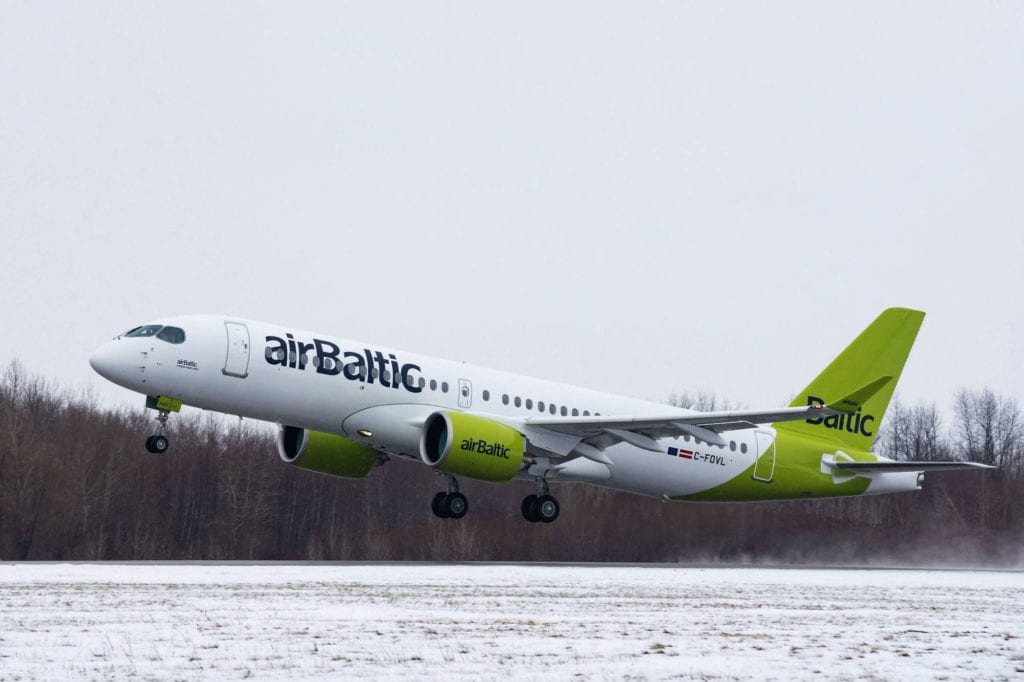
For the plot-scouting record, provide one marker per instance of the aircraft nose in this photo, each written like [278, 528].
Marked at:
[107, 361]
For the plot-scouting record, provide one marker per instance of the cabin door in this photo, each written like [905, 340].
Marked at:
[237, 362]
[764, 451]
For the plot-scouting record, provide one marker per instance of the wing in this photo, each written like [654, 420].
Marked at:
[589, 436]
[643, 432]
[600, 432]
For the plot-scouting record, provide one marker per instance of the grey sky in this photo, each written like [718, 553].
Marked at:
[640, 199]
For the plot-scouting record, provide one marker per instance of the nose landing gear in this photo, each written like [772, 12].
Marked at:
[452, 504]
[159, 443]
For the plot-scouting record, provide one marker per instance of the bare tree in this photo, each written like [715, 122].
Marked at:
[926, 440]
[894, 439]
[988, 428]
[76, 483]
[702, 401]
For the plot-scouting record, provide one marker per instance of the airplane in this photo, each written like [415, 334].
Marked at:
[345, 407]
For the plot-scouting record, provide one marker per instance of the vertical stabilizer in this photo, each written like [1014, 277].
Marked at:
[879, 353]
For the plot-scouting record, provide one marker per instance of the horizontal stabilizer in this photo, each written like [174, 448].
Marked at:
[908, 466]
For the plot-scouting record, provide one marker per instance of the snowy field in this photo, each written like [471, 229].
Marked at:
[65, 621]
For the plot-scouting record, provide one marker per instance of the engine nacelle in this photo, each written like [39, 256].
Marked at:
[325, 453]
[464, 444]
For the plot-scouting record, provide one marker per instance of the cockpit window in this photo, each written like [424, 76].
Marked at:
[172, 335]
[147, 330]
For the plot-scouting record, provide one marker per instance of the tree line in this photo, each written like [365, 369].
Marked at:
[77, 484]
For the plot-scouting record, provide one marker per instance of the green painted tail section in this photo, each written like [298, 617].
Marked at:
[868, 369]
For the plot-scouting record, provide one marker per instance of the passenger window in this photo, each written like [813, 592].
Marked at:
[586, 413]
[422, 382]
[504, 398]
[518, 401]
[529, 403]
[148, 330]
[444, 387]
[743, 448]
[564, 411]
[487, 395]
[732, 445]
[575, 412]
[552, 409]
[433, 384]
[540, 405]
[172, 335]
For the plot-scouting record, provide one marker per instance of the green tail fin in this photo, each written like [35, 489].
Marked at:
[864, 374]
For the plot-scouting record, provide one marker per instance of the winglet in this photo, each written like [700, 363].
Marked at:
[853, 402]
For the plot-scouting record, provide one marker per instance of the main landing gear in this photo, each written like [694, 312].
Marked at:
[158, 443]
[452, 504]
[540, 508]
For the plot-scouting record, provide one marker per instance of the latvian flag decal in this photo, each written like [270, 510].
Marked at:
[677, 452]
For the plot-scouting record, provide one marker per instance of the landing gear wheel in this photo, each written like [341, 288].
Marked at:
[455, 505]
[529, 509]
[157, 444]
[546, 508]
[437, 506]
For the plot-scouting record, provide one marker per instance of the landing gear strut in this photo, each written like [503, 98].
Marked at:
[452, 504]
[542, 507]
[158, 443]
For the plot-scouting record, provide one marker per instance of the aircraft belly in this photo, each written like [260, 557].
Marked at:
[394, 428]
[663, 474]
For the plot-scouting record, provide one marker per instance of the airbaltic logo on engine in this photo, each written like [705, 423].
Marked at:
[851, 423]
[485, 448]
[369, 366]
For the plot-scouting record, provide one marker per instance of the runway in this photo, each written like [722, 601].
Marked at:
[496, 621]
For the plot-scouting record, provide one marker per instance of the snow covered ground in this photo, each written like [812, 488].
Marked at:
[61, 621]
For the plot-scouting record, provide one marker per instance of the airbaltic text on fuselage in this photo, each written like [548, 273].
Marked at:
[369, 366]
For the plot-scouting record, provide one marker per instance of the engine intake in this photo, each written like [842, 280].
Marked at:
[477, 447]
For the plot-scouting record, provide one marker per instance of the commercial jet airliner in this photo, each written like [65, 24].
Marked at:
[344, 407]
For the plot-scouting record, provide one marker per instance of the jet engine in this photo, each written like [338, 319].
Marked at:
[464, 444]
[325, 453]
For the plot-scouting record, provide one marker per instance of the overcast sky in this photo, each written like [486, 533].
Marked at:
[641, 197]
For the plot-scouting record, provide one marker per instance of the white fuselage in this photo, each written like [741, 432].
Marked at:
[325, 383]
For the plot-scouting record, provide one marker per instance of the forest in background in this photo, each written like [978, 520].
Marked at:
[77, 484]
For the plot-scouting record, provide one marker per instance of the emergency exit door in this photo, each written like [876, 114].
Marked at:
[465, 394]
